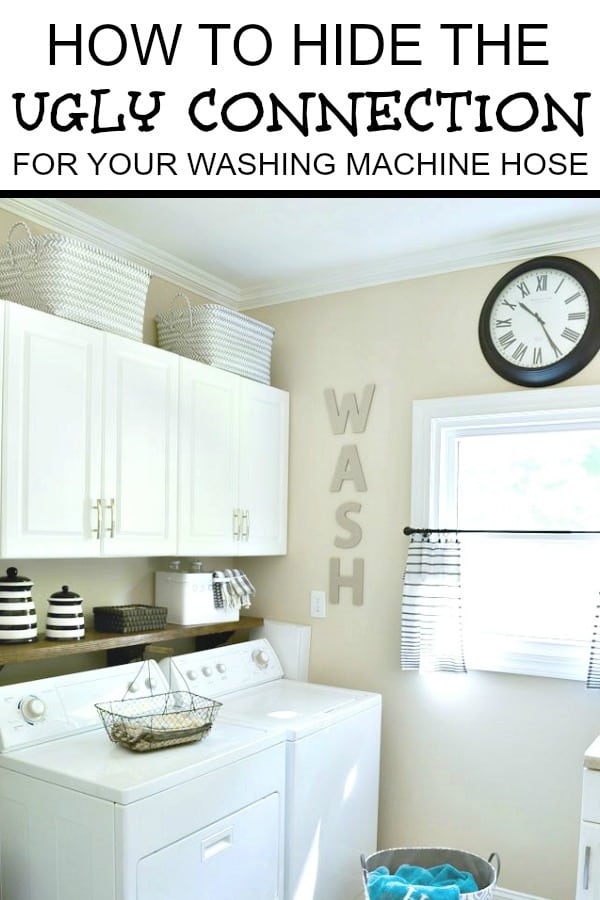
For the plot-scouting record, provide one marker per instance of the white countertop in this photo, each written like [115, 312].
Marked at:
[591, 760]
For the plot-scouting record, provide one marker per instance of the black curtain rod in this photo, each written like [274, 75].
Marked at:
[408, 531]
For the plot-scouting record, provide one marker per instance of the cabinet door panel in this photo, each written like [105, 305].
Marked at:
[140, 449]
[263, 467]
[588, 872]
[207, 459]
[52, 420]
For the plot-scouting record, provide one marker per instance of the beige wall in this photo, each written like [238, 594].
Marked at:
[482, 762]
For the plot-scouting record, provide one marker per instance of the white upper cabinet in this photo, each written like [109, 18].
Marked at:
[52, 430]
[208, 410]
[263, 469]
[233, 446]
[115, 448]
[139, 480]
[90, 450]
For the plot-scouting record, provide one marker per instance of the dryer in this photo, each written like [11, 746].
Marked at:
[81, 816]
[332, 739]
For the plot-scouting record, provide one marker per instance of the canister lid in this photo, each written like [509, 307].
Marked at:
[65, 594]
[12, 577]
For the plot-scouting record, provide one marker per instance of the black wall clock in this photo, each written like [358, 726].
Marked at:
[540, 323]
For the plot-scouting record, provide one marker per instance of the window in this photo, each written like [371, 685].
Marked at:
[525, 462]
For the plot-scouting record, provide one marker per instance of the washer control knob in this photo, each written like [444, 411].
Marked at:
[191, 674]
[207, 670]
[32, 709]
[261, 658]
[221, 668]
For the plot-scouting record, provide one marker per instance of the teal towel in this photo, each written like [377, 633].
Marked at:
[437, 883]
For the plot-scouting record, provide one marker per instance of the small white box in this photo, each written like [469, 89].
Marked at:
[188, 597]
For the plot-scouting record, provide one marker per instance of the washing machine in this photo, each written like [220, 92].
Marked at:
[332, 740]
[81, 816]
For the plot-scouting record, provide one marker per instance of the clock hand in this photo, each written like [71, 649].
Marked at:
[557, 352]
[531, 313]
[537, 316]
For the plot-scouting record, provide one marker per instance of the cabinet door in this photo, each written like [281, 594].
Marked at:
[588, 870]
[208, 477]
[263, 469]
[52, 436]
[140, 450]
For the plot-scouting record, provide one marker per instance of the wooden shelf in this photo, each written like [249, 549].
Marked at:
[102, 640]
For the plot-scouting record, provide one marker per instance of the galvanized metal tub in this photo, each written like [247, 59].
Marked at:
[484, 872]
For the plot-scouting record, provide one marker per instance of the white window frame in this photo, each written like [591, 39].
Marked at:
[437, 426]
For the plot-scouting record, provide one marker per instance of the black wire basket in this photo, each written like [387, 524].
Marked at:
[161, 720]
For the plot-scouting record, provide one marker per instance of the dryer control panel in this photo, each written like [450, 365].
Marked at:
[224, 669]
[36, 711]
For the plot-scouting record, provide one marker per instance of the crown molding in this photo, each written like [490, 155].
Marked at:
[64, 218]
[566, 237]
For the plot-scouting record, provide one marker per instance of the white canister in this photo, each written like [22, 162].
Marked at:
[18, 619]
[64, 621]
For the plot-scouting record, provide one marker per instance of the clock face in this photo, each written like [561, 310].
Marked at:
[540, 324]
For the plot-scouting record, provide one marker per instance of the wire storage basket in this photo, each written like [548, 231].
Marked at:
[159, 720]
[69, 278]
[217, 336]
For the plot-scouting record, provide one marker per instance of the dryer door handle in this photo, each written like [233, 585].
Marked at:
[217, 843]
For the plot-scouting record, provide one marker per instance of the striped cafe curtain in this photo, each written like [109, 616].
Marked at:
[432, 636]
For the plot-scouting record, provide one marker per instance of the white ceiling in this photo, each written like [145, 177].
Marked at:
[252, 251]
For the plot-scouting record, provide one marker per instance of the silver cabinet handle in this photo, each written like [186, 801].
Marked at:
[236, 524]
[245, 524]
[586, 868]
[113, 517]
[98, 529]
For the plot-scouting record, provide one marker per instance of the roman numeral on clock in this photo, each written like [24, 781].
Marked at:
[506, 339]
[573, 297]
[522, 285]
[520, 352]
[537, 356]
[577, 315]
[503, 323]
[542, 282]
[570, 335]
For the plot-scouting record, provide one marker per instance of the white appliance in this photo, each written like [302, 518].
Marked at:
[291, 643]
[332, 738]
[81, 816]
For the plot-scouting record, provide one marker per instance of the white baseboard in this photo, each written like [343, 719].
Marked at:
[503, 894]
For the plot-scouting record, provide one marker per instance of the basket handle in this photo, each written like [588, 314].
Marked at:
[30, 238]
[186, 299]
[363, 865]
[173, 665]
[496, 862]
[144, 665]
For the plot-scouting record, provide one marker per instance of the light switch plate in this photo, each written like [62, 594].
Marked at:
[318, 604]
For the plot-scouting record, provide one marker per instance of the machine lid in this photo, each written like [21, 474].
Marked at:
[91, 764]
[295, 707]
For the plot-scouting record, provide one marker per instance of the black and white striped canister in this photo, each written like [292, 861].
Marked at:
[18, 619]
[64, 621]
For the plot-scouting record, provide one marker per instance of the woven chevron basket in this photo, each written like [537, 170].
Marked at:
[217, 336]
[68, 278]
